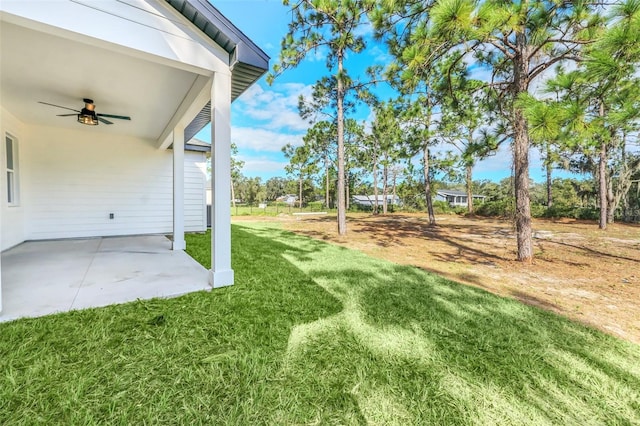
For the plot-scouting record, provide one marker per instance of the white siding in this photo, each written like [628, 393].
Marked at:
[12, 218]
[195, 219]
[77, 178]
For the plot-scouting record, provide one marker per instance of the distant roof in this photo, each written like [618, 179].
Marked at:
[248, 61]
[372, 197]
[456, 193]
[197, 145]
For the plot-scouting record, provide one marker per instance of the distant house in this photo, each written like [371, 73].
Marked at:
[290, 199]
[370, 200]
[457, 198]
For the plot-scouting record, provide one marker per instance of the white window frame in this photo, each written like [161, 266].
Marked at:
[12, 174]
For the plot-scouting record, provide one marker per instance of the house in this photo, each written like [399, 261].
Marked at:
[370, 200]
[290, 199]
[99, 102]
[456, 198]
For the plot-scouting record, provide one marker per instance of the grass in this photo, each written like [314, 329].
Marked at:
[275, 209]
[315, 334]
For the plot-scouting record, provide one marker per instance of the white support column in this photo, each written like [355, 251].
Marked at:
[221, 273]
[178, 188]
[1, 252]
[2, 148]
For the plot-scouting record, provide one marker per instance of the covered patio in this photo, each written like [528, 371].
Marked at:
[98, 101]
[45, 277]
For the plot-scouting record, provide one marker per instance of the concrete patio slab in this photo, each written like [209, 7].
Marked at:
[45, 277]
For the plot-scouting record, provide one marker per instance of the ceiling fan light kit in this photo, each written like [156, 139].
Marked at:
[87, 118]
[88, 114]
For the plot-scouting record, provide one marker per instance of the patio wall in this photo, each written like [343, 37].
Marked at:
[72, 180]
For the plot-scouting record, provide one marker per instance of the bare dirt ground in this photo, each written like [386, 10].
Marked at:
[588, 275]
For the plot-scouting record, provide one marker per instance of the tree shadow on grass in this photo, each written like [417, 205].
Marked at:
[456, 236]
[418, 343]
[588, 251]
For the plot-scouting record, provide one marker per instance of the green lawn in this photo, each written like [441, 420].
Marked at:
[316, 334]
[276, 209]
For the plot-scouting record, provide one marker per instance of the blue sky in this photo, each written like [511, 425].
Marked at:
[265, 118]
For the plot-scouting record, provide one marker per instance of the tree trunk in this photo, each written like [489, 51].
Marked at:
[469, 185]
[549, 182]
[602, 178]
[375, 182]
[611, 202]
[233, 195]
[342, 212]
[393, 188]
[521, 154]
[300, 190]
[602, 181]
[427, 184]
[326, 165]
[385, 185]
[625, 198]
[347, 190]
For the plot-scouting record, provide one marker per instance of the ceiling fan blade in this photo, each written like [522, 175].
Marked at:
[119, 117]
[103, 120]
[65, 115]
[58, 106]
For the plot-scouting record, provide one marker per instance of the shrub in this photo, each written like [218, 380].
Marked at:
[562, 210]
[538, 210]
[441, 207]
[587, 213]
[502, 208]
[359, 208]
[558, 211]
[460, 210]
[315, 205]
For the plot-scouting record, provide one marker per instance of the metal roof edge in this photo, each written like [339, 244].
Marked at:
[248, 62]
[223, 32]
[455, 192]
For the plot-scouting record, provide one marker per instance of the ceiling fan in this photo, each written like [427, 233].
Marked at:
[88, 114]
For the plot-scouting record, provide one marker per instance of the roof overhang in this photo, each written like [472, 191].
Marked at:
[151, 61]
[248, 62]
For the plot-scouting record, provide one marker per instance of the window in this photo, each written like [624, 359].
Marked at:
[11, 146]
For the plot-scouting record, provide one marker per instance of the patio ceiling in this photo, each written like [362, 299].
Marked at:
[39, 66]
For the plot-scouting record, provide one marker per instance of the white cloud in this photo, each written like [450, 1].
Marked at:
[262, 166]
[275, 108]
[318, 54]
[263, 140]
[500, 162]
[364, 29]
[480, 73]
[379, 55]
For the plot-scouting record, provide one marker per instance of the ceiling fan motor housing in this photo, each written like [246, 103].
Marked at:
[86, 111]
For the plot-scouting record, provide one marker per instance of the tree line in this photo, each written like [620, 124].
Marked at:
[575, 198]
[470, 76]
